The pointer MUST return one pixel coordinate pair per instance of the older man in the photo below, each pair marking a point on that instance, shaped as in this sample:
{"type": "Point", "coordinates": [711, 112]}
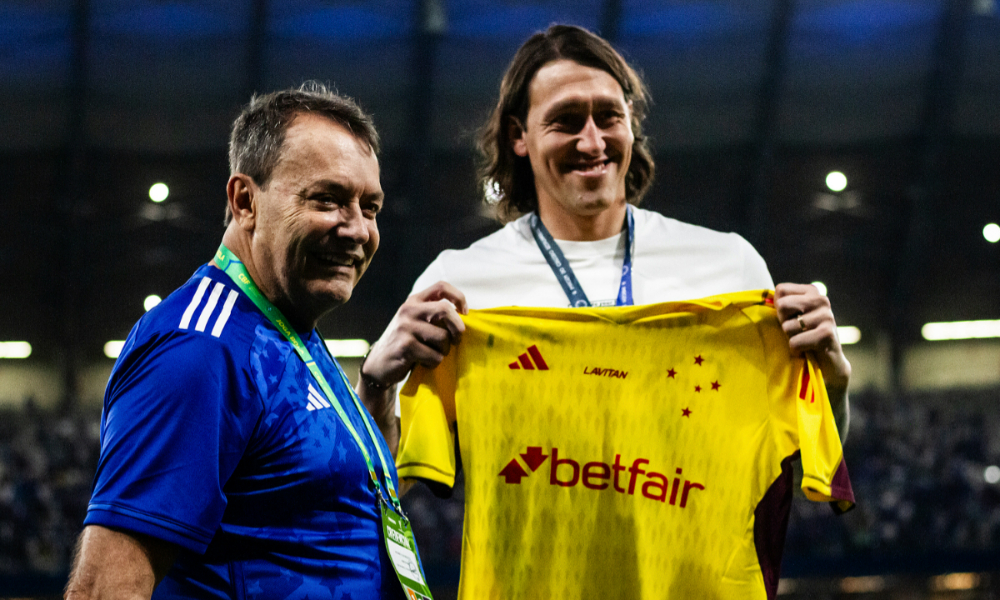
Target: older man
{"type": "Point", "coordinates": [236, 460]}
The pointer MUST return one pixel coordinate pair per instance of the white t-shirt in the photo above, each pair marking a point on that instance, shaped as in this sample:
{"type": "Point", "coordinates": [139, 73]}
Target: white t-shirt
{"type": "Point", "coordinates": [671, 261]}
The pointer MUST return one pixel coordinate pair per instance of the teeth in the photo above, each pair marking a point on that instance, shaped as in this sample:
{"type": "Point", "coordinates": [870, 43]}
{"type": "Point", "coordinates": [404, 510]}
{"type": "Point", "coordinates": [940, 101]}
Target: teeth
{"type": "Point", "coordinates": [590, 166]}
{"type": "Point", "coordinates": [336, 259]}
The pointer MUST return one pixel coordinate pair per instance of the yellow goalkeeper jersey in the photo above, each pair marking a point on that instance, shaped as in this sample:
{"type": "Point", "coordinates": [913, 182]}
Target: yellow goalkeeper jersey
{"type": "Point", "coordinates": [630, 452]}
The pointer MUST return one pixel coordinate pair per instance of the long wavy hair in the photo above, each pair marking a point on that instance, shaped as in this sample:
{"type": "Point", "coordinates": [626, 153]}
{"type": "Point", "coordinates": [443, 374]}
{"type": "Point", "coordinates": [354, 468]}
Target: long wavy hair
{"type": "Point", "coordinates": [506, 179]}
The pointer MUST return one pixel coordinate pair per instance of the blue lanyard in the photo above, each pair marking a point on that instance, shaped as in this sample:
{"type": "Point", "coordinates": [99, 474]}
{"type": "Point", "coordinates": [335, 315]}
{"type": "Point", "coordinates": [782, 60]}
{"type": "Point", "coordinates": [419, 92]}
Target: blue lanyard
{"type": "Point", "coordinates": [564, 273]}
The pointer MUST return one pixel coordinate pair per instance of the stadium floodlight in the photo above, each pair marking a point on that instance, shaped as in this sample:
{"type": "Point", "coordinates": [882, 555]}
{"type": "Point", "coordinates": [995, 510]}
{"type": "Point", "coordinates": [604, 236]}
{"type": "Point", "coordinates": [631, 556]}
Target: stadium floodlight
{"type": "Point", "coordinates": [848, 334]}
{"type": "Point", "coordinates": [836, 181]}
{"type": "Point", "coordinates": [862, 585]}
{"type": "Point", "coordinates": [15, 349]}
{"type": "Point", "coordinates": [950, 582]}
{"type": "Point", "coordinates": [348, 348]}
{"type": "Point", "coordinates": [961, 330]}
{"type": "Point", "coordinates": [992, 474]}
{"type": "Point", "coordinates": [151, 301]}
{"type": "Point", "coordinates": [158, 192]}
{"type": "Point", "coordinates": [820, 286]}
{"type": "Point", "coordinates": [113, 348]}
{"type": "Point", "coordinates": [992, 233]}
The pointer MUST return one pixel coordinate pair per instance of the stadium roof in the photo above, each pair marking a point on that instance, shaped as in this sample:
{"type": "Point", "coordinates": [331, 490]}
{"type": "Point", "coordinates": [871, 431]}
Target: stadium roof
{"type": "Point", "coordinates": [754, 102]}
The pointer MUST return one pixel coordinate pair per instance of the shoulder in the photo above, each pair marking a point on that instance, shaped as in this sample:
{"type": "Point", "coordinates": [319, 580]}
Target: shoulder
{"type": "Point", "coordinates": [205, 322]}
{"type": "Point", "coordinates": [694, 260]}
{"type": "Point", "coordinates": [208, 307]}
{"type": "Point", "coordinates": [511, 245]}
{"type": "Point", "coordinates": [656, 232]}
{"type": "Point", "coordinates": [655, 225]}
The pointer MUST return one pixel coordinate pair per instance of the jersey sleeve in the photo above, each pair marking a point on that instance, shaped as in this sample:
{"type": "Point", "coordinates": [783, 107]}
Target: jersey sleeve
{"type": "Point", "coordinates": [803, 419]}
{"type": "Point", "coordinates": [427, 424]}
{"type": "Point", "coordinates": [175, 425]}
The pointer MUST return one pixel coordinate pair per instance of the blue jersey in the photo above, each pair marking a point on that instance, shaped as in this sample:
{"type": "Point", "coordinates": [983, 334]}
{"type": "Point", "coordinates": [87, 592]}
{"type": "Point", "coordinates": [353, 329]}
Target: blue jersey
{"type": "Point", "coordinates": [215, 437]}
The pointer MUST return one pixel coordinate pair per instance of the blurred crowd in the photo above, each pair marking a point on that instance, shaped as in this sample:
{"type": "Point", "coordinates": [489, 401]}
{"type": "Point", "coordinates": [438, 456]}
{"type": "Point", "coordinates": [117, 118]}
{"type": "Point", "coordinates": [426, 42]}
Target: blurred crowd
{"type": "Point", "coordinates": [917, 463]}
{"type": "Point", "coordinates": [47, 463]}
{"type": "Point", "coordinates": [919, 466]}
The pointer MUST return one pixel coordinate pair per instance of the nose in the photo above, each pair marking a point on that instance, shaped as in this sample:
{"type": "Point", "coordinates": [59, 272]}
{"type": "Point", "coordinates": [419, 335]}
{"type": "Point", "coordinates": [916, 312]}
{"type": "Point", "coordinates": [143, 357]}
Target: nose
{"type": "Point", "coordinates": [591, 140]}
{"type": "Point", "coordinates": [351, 224]}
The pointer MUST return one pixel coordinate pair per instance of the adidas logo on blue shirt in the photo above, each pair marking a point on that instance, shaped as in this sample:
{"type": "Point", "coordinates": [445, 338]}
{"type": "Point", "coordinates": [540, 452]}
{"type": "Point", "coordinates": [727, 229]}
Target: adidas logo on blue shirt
{"type": "Point", "coordinates": [316, 400]}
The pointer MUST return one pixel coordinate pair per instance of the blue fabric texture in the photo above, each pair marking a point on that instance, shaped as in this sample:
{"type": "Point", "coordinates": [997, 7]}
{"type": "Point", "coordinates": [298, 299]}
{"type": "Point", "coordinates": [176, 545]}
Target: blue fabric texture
{"type": "Point", "coordinates": [215, 437]}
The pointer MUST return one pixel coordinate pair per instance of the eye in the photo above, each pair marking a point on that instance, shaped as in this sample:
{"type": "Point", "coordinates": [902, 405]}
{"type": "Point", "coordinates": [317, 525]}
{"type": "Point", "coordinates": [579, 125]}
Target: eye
{"type": "Point", "coordinates": [569, 122]}
{"type": "Point", "coordinates": [323, 198]}
{"type": "Point", "coordinates": [609, 117]}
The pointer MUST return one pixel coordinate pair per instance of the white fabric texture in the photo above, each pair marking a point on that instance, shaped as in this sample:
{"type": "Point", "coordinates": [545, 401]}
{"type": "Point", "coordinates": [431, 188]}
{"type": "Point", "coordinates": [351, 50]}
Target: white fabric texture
{"type": "Point", "coordinates": [671, 261]}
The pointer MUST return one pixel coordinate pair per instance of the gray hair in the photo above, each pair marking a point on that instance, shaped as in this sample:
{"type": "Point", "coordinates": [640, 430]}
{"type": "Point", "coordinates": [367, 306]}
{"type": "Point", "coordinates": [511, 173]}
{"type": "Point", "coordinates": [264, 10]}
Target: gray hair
{"type": "Point", "coordinates": [258, 132]}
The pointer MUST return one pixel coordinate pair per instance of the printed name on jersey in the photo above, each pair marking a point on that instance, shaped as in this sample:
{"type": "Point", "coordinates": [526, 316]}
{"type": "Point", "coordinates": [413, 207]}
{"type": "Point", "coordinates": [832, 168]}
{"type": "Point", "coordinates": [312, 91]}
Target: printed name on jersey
{"type": "Point", "coordinates": [524, 361]}
{"type": "Point", "coordinates": [599, 476]}
{"type": "Point", "coordinates": [315, 400]}
{"type": "Point", "coordinates": [209, 308]}
{"type": "Point", "coordinates": [600, 372]}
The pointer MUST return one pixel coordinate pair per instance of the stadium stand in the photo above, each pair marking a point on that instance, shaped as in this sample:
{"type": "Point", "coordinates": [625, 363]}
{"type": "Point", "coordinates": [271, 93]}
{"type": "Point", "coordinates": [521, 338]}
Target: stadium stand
{"type": "Point", "coordinates": [917, 464]}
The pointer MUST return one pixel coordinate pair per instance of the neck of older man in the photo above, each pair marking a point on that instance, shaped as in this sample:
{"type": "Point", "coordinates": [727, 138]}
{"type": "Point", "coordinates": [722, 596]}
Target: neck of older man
{"type": "Point", "coordinates": [583, 226]}
{"type": "Point", "coordinates": [240, 245]}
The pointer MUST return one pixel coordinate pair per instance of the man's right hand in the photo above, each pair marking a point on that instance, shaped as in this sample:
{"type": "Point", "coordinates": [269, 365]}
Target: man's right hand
{"type": "Point", "coordinates": [422, 332]}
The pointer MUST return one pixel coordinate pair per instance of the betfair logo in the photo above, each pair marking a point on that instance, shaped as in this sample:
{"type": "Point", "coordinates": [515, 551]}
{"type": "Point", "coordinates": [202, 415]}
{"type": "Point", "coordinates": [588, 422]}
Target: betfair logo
{"type": "Point", "coordinates": [599, 476]}
{"type": "Point", "coordinates": [530, 360]}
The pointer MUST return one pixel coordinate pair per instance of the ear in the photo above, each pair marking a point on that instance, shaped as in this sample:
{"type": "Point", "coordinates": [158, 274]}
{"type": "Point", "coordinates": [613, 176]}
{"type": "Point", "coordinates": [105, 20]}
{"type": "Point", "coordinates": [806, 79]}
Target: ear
{"type": "Point", "coordinates": [515, 133]}
{"type": "Point", "coordinates": [242, 193]}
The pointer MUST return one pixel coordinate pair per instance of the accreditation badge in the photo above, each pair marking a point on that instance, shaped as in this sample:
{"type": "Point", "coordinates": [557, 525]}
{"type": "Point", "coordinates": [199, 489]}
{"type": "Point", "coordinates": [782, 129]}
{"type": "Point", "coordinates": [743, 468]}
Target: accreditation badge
{"type": "Point", "coordinates": [402, 550]}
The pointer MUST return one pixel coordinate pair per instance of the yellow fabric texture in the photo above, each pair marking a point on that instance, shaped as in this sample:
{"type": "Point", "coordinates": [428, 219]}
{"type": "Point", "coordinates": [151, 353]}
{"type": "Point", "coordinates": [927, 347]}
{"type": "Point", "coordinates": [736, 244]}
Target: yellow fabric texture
{"type": "Point", "coordinates": [629, 460]}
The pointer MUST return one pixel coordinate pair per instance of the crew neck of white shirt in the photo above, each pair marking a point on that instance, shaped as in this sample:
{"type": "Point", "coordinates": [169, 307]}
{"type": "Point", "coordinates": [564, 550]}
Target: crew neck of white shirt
{"type": "Point", "coordinates": [591, 248]}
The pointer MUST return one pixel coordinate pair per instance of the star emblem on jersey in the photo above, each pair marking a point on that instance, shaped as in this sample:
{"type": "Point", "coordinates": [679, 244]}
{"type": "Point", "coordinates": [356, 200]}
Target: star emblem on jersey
{"type": "Point", "coordinates": [701, 381]}
{"type": "Point", "coordinates": [530, 361]}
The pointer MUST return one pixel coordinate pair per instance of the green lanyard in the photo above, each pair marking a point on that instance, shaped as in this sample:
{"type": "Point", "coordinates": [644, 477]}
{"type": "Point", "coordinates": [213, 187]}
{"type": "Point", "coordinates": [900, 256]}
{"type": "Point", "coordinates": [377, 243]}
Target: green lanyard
{"type": "Point", "coordinates": [232, 266]}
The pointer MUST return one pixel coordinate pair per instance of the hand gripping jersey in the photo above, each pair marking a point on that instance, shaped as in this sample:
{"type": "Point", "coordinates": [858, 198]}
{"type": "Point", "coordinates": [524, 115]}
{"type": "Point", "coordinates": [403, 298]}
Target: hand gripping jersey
{"type": "Point", "coordinates": [633, 452]}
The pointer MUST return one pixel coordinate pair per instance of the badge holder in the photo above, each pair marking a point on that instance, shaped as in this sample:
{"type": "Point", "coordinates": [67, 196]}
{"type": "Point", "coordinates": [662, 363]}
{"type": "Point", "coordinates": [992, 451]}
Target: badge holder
{"type": "Point", "coordinates": [399, 542]}
{"type": "Point", "coordinates": [402, 550]}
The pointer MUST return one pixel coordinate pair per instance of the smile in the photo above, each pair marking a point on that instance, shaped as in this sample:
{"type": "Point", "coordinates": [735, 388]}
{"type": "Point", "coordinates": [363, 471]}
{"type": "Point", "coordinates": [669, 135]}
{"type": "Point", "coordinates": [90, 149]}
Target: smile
{"type": "Point", "coordinates": [591, 168]}
{"type": "Point", "coordinates": [338, 260]}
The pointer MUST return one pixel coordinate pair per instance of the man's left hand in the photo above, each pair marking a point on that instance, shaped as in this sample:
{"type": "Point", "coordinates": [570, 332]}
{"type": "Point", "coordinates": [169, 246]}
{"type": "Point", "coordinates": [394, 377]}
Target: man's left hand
{"type": "Point", "coordinates": [808, 321]}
